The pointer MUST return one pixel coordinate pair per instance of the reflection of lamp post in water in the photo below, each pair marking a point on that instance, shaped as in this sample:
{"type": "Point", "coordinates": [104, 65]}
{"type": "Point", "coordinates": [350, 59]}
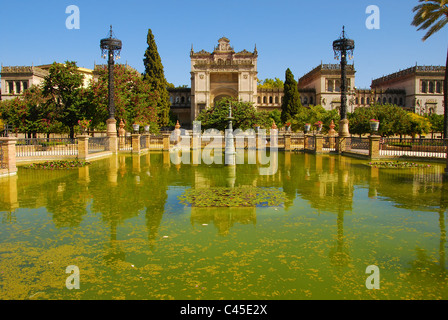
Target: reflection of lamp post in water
{"type": "Point", "coordinates": [230, 153]}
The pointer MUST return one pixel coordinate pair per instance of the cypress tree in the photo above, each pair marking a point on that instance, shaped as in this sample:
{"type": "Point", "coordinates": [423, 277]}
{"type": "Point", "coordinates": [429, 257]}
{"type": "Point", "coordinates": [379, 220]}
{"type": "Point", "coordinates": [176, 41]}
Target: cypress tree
{"type": "Point", "coordinates": [291, 100]}
{"type": "Point", "coordinates": [155, 76]}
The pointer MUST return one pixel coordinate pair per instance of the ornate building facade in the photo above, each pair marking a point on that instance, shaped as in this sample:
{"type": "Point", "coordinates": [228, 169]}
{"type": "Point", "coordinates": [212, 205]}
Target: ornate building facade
{"type": "Point", "coordinates": [222, 73]}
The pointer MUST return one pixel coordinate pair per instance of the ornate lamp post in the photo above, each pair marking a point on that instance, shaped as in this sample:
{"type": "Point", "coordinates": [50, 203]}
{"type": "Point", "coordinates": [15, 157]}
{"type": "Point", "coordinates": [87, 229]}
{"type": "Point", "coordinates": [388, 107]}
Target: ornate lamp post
{"type": "Point", "coordinates": [111, 48]}
{"type": "Point", "coordinates": [343, 47]}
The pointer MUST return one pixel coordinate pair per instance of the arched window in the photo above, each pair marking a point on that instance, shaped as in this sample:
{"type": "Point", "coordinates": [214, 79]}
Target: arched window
{"type": "Point", "coordinates": [384, 100]}
{"type": "Point", "coordinates": [276, 100]}
{"type": "Point", "coordinates": [330, 85]}
{"type": "Point", "coordinates": [395, 100]}
{"type": "Point", "coordinates": [305, 101]}
{"type": "Point", "coordinates": [177, 99]}
{"type": "Point", "coordinates": [265, 100]}
{"type": "Point", "coordinates": [401, 101]}
{"type": "Point", "coordinates": [424, 87]}
{"type": "Point", "coordinates": [362, 100]}
{"type": "Point", "coordinates": [368, 101]}
{"type": "Point", "coordinates": [338, 86]}
{"type": "Point", "coordinates": [390, 100]}
{"type": "Point", "coordinates": [357, 100]}
{"type": "Point", "coordinates": [270, 99]}
{"type": "Point", "coordinates": [182, 100]}
{"type": "Point", "coordinates": [311, 100]}
{"type": "Point", "coordinates": [431, 87]}
{"type": "Point", "coordinates": [171, 100]}
{"type": "Point", "coordinates": [259, 99]}
{"type": "Point", "coordinates": [439, 87]}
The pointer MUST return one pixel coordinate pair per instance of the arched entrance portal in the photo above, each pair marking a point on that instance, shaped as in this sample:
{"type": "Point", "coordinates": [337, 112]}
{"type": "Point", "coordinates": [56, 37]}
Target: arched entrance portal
{"type": "Point", "coordinates": [220, 97]}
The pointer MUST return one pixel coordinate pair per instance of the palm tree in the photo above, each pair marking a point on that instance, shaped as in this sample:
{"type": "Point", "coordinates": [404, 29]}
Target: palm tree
{"type": "Point", "coordinates": [433, 14]}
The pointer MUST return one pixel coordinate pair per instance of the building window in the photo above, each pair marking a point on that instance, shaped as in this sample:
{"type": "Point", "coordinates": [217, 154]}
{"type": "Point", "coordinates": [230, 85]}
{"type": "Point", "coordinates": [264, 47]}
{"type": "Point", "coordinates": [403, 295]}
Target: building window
{"type": "Point", "coordinates": [395, 101]}
{"type": "Point", "coordinates": [338, 86]}
{"type": "Point", "coordinates": [368, 101]}
{"type": "Point", "coordinates": [305, 101]}
{"type": "Point", "coordinates": [18, 87]}
{"type": "Point", "coordinates": [384, 100]}
{"type": "Point", "coordinates": [182, 100]}
{"type": "Point", "coordinates": [330, 85]}
{"type": "Point", "coordinates": [401, 101]}
{"type": "Point", "coordinates": [25, 85]}
{"type": "Point", "coordinates": [311, 100]}
{"type": "Point", "coordinates": [276, 100]}
{"type": "Point", "coordinates": [431, 87]}
{"type": "Point", "coordinates": [424, 87]}
{"type": "Point", "coordinates": [270, 99]}
{"type": "Point", "coordinates": [439, 87]}
{"type": "Point", "coordinates": [357, 100]}
{"type": "Point", "coordinates": [10, 87]}
{"type": "Point", "coordinates": [259, 100]}
{"type": "Point", "coordinates": [265, 100]}
{"type": "Point", "coordinates": [390, 100]}
{"type": "Point", "coordinates": [362, 100]}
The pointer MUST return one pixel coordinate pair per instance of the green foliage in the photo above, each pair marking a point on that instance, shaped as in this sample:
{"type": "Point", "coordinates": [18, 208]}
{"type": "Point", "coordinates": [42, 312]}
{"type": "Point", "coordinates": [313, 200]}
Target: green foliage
{"type": "Point", "coordinates": [270, 83]}
{"type": "Point", "coordinates": [436, 121]}
{"type": "Point", "coordinates": [155, 76]}
{"type": "Point", "coordinates": [135, 100]}
{"type": "Point", "coordinates": [63, 89]}
{"type": "Point", "coordinates": [244, 113]}
{"type": "Point", "coordinates": [418, 124]}
{"type": "Point", "coordinates": [313, 114]}
{"type": "Point", "coordinates": [291, 100]}
{"type": "Point", "coordinates": [393, 120]}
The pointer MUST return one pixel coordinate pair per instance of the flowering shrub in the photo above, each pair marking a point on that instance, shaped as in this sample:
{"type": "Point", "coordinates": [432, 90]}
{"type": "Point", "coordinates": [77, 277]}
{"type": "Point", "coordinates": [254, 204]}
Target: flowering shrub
{"type": "Point", "coordinates": [84, 123]}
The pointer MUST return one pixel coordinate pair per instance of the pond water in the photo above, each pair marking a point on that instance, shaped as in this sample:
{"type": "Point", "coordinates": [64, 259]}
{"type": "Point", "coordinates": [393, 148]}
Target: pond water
{"type": "Point", "coordinates": [122, 222]}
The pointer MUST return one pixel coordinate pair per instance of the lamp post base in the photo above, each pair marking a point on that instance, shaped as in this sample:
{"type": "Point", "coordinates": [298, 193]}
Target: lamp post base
{"type": "Point", "coordinates": [343, 129]}
{"type": "Point", "coordinates": [111, 127]}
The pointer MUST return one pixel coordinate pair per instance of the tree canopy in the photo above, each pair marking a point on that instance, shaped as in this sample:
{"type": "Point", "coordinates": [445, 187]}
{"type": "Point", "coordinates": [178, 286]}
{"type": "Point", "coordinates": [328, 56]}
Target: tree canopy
{"type": "Point", "coordinates": [155, 76]}
{"type": "Point", "coordinates": [291, 100]}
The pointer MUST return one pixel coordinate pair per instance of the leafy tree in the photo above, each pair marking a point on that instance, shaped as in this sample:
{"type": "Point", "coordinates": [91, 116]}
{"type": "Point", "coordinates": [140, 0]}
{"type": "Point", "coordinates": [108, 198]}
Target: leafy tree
{"type": "Point", "coordinates": [155, 76]}
{"type": "Point", "coordinates": [433, 14]}
{"type": "Point", "coordinates": [313, 114]}
{"type": "Point", "coordinates": [29, 113]}
{"type": "Point", "coordinates": [436, 121]}
{"type": "Point", "coordinates": [291, 100]}
{"type": "Point", "coordinates": [244, 113]}
{"type": "Point", "coordinates": [270, 83]}
{"type": "Point", "coordinates": [418, 124]}
{"type": "Point", "coordinates": [62, 86]}
{"type": "Point", "coordinates": [135, 101]}
{"type": "Point", "coordinates": [393, 120]}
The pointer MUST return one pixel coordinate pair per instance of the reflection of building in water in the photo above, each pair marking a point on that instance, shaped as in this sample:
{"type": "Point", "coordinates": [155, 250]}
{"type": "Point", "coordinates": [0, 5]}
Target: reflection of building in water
{"type": "Point", "coordinates": [8, 197]}
{"type": "Point", "coordinates": [223, 218]}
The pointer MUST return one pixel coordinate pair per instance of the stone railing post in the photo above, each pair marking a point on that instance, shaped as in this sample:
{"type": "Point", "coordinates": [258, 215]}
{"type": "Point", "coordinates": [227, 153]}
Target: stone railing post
{"type": "Point", "coordinates": [341, 144]}
{"type": "Point", "coordinates": [374, 147]}
{"type": "Point", "coordinates": [287, 141]}
{"type": "Point", "coordinates": [166, 142]}
{"type": "Point", "coordinates": [83, 147]}
{"type": "Point", "coordinates": [305, 142]}
{"type": "Point", "coordinates": [8, 145]}
{"type": "Point", "coordinates": [147, 138]}
{"type": "Point", "coordinates": [136, 143]}
{"type": "Point", "coordinates": [318, 143]}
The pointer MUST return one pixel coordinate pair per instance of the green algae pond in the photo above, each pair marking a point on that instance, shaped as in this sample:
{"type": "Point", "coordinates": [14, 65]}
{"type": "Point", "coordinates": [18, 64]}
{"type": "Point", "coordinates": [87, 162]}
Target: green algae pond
{"type": "Point", "coordinates": [141, 227]}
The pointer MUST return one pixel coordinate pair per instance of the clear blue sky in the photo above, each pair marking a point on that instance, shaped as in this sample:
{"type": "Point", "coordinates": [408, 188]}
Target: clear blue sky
{"type": "Point", "coordinates": [293, 34]}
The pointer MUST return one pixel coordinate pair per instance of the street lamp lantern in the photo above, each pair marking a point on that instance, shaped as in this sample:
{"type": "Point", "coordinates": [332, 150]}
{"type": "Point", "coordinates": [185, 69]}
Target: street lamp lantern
{"type": "Point", "coordinates": [111, 48]}
{"type": "Point", "coordinates": [343, 48]}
